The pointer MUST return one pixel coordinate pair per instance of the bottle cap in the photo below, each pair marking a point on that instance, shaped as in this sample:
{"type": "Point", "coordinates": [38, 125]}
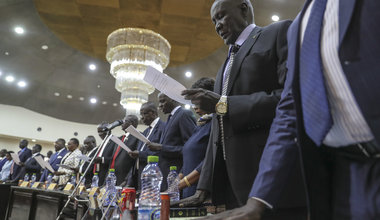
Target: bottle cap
{"type": "Point", "coordinates": [95, 174]}
{"type": "Point", "coordinates": [112, 170]}
{"type": "Point", "coordinates": [152, 159]}
{"type": "Point", "coordinates": [50, 174]}
{"type": "Point", "coordinates": [173, 168]}
{"type": "Point", "coordinates": [73, 174]}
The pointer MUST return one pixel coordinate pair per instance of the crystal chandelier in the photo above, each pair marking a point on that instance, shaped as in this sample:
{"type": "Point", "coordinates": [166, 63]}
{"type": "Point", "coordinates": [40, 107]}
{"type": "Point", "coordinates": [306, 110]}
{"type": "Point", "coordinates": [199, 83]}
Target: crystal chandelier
{"type": "Point", "coordinates": [130, 51]}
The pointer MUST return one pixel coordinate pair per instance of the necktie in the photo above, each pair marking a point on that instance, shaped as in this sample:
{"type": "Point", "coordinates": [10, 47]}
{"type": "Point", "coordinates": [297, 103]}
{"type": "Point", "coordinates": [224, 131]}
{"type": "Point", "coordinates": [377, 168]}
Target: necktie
{"type": "Point", "coordinates": [231, 57]}
{"type": "Point", "coordinates": [116, 153]}
{"type": "Point", "coordinates": [167, 121]}
{"type": "Point", "coordinates": [147, 136]}
{"type": "Point", "coordinates": [315, 105]}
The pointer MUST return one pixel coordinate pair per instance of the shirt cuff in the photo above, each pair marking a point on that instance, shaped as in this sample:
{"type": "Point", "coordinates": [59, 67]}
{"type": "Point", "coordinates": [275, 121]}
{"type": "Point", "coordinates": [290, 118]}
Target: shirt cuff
{"type": "Point", "coordinates": [102, 159]}
{"type": "Point", "coordinates": [262, 201]}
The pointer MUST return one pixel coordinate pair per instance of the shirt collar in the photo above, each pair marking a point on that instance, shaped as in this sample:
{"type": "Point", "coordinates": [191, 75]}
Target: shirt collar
{"type": "Point", "coordinates": [61, 150]}
{"type": "Point", "coordinates": [174, 110]}
{"type": "Point", "coordinates": [35, 154]}
{"type": "Point", "coordinates": [244, 35]}
{"type": "Point", "coordinates": [154, 122]}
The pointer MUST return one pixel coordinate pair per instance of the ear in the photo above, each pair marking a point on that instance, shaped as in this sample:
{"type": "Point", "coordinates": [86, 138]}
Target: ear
{"type": "Point", "coordinates": [244, 9]}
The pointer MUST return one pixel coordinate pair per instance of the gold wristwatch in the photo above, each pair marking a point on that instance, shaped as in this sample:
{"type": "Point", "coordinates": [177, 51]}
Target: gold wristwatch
{"type": "Point", "coordinates": [221, 107]}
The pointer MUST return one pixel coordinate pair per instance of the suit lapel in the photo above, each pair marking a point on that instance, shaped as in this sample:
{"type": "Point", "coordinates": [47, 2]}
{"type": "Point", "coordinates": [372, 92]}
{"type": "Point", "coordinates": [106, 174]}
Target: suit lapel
{"type": "Point", "coordinates": [168, 124]}
{"type": "Point", "coordinates": [346, 8]}
{"type": "Point", "coordinates": [241, 54]}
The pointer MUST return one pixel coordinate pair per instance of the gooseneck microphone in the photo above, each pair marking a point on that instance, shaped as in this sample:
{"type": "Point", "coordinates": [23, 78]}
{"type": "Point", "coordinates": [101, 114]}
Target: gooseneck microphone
{"type": "Point", "coordinates": [113, 125]}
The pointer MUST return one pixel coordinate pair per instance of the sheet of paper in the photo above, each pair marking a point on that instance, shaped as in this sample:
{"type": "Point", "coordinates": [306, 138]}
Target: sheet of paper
{"type": "Point", "coordinates": [40, 161]}
{"type": "Point", "coordinates": [120, 143]}
{"type": "Point", "coordinates": [15, 158]}
{"type": "Point", "coordinates": [83, 157]}
{"type": "Point", "coordinates": [44, 164]}
{"type": "Point", "coordinates": [132, 130]}
{"type": "Point", "coordinates": [165, 84]}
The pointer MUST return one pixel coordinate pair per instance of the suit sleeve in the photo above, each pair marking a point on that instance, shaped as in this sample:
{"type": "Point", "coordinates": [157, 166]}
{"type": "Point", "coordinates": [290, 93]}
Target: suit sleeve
{"type": "Point", "coordinates": [186, 126]}
{"type": "Point", "coordinates": [258, 108]}
{"type": "Point", "coordinates": [280, 157]}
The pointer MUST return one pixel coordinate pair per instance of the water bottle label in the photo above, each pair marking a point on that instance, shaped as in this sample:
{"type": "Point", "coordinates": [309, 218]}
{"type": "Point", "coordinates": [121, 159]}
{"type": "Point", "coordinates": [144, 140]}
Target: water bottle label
{"type": "Point", "coordinates": [146, 213]}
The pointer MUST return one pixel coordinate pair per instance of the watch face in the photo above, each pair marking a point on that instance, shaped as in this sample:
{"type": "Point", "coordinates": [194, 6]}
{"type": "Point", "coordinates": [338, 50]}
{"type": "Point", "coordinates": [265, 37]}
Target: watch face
{"type": "Point", "coordinates": [221, 108]}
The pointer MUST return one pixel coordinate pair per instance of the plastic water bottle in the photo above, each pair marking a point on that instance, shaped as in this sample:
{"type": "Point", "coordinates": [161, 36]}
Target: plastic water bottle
{"type": "Point", "coordinates": [26, 177]}
{"type": "Point", "coordinates": [173, 182]}
{"type": "Point", "coordinates": [150, 202]}
{"type": "Point", "coordinates": [73, 179]}
{"type": "Point", "coordinates": [48, 180]}
{"type": "Point", "coordinates": [95, 180]}
{"type": "Point", "coordinates": [33, 179]}
{"type": "Point", "coordinates": [110, 189]}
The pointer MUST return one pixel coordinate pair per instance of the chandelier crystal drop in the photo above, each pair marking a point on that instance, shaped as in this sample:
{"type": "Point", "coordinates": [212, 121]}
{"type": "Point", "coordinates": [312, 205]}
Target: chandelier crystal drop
{"type": "Point", "coordinates": [130, 51]}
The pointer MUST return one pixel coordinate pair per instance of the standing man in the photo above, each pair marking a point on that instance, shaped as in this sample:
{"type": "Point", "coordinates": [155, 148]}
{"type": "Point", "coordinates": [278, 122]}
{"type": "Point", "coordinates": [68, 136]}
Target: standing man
{"type": "Point", "coordinates": [247, 89]}
{"type": "Point", "coordinates": [121, 161]}
{"type": "Point", "coordinates": [89, 144]}
{"type": "Point", "coordinates": [31, 165]}
{"type": "Point", "coordinates": [23, 154]}
{"type": "Point", "coordinates": [149, 116]}
{"type": "Point", "coordinates": [104, 157]}
{"type": "Point", "coordinates": [60, 152]}
{"type": "Point", "coordinates": [178, 129]}
{"type": "Point", "coordinates": [334, 55]}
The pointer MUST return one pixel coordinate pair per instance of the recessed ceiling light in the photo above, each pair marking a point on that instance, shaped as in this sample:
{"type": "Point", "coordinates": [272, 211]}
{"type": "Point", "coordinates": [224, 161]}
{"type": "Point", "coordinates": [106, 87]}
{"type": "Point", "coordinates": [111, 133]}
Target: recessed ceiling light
{"type": "Point", "coordinates": [81, 98]}
{"type": "Point", "coordinates": [19, 30]}
{"type": "Point", "coordinates": [44, 47]}
{"type": "Point", "coordinates": [188, 74]}
{"type": "Point", "coordinates": [21, 84]}
{"type": "Point", "coordinates": [69, 96]}
{"type": "Point", "coordinates": [114, 104]}
{"type": "Point", "coordinates": [10, 79]}
{"type": "Point", "coordinates": [275, 18]}
{"type": "Point", "coordinates": [6, 53]}
{"type": "Point", "coordinates": [93, 100]}
{"type": "Point", "coordinates": [92, 67]}
{"type": "Point", "coordinates": [187, 106]}
{"type": "Point", "coordinates": [57, 94]}
{"type": "Point", "coordinates": [104, 103]}
{"type": "Point", "coordinates": [33, 140]}
{"type": "Point", "coordinates": [98, 86]}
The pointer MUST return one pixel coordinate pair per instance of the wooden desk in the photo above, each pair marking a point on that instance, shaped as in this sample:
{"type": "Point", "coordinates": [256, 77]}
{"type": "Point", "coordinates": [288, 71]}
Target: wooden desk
{"type": "Point", "coordinates": [30, 204]}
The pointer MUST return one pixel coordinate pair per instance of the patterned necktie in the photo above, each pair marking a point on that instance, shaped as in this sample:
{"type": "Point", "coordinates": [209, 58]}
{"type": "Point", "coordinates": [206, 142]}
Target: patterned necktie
{"type": "Point", "coordinates": [315, 105]}
{"type": "Point", "coordinates": [231, 57]}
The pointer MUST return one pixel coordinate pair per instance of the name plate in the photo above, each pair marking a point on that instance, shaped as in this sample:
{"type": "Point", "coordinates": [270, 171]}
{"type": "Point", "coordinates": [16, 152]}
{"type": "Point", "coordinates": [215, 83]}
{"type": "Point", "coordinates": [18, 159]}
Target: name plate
{"type": "Point", "coordinates": [52, 186]}
{"type": "Point", "coordinates": [69, 187]}
{"type": "Point", "coordinates": [93, 202]}
{"type": "Point", "coordinates": [81, 189]}
{"type": "Point", "coordinates": [37, 185]}
{"type": "Point", "coordinates": [25, 184]}
{"type": "Point", "coordinates": [94, 191]}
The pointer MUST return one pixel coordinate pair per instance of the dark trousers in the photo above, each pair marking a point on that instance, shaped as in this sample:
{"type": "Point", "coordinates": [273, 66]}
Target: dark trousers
{"type": "Point", "coordinates": [344, 187]}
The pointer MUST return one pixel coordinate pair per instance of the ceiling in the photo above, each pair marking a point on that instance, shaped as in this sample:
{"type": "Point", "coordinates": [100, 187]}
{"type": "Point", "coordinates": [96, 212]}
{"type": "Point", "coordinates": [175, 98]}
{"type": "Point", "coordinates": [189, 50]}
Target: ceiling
{"type": "Point", "coordinates": [75, 32]}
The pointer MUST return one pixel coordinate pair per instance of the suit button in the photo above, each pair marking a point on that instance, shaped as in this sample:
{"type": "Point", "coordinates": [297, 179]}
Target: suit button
{"type": "Point", "coordinates": [346, 62]}
{"type": "Point", "coordinates": [295, 139]}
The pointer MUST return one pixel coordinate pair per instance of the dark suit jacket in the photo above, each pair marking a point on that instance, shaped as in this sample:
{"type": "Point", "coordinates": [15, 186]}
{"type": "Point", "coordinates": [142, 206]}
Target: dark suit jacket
{"type": "Point", "coordinates": [16, 168]}
{"type": "Point", "coordinates": [255, 85]}
{"type": "Point", "coordinates": [134, 179]}
{"type": "Point", "coordinates": [107, 158]}
{"type": "Point", "coordinates": [177, 131]}
{"type": "Point", "coordinates": [32, 166]}
{"type": "Point", "coordinates": [360, 59]}
{"type": "Point", "coordinates": [54, 160]}
{"type": "Point", "coordinates": [123, 162]}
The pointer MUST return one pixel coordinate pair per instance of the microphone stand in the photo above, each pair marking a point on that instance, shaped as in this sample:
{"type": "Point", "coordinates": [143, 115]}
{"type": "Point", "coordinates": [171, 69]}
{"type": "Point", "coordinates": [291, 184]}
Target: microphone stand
{"type": "Point", "coordinates": [71, 196]}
